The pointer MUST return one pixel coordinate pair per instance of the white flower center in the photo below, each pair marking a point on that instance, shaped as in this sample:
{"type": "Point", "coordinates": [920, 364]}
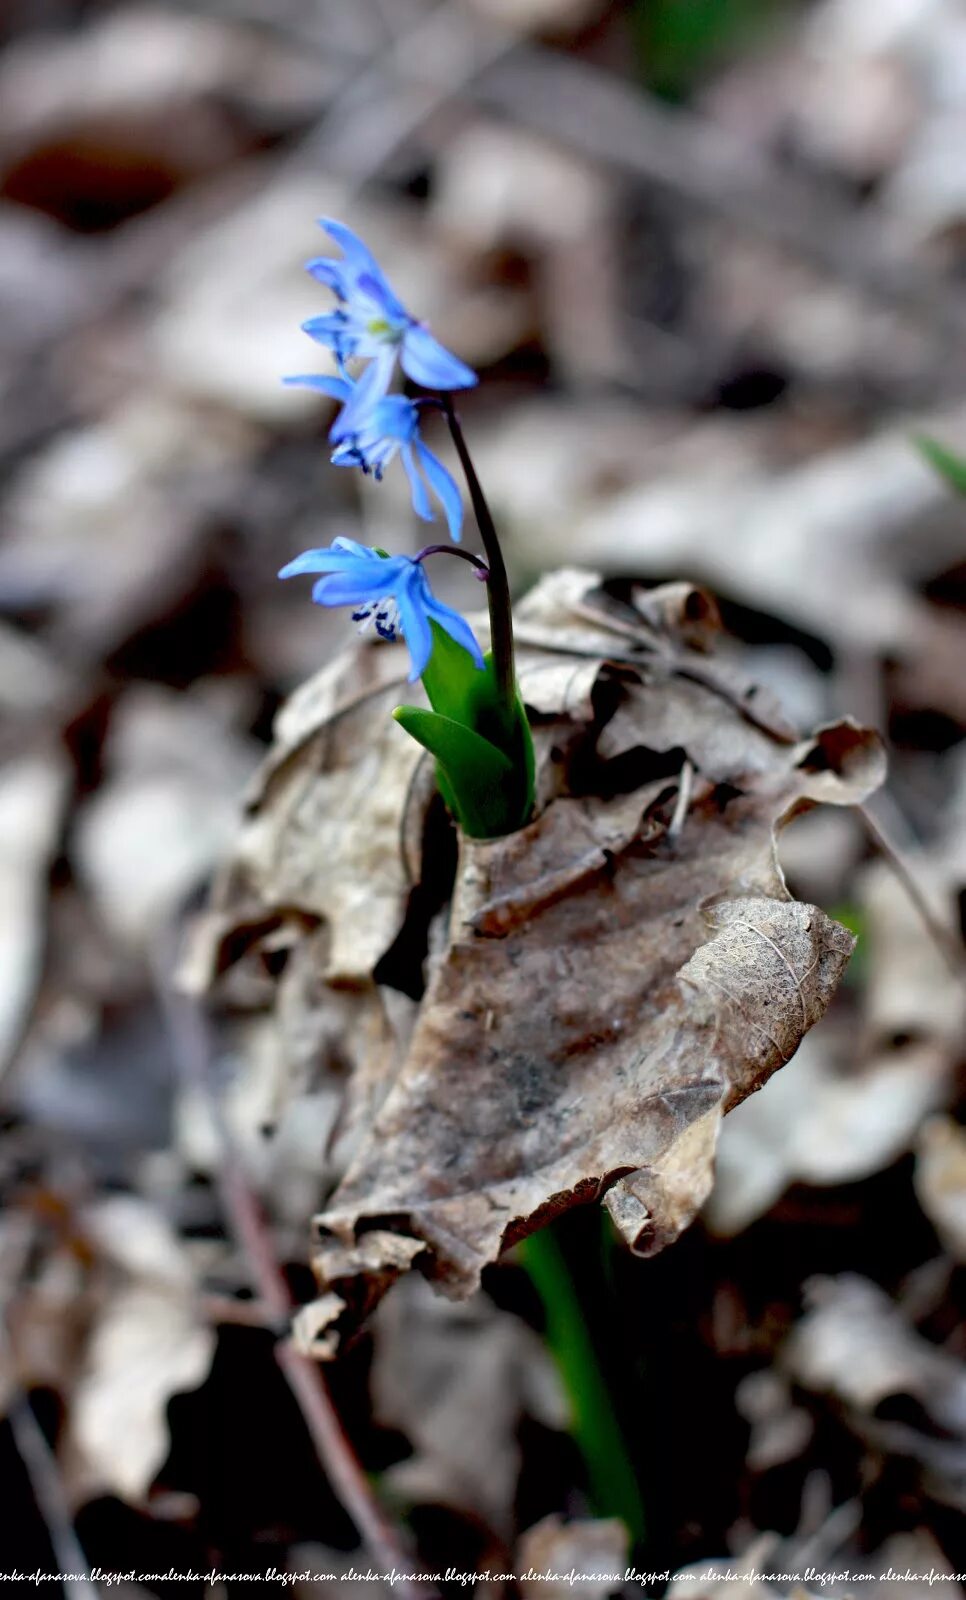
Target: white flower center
{"type": "Point", "coordinates": [383, 614]}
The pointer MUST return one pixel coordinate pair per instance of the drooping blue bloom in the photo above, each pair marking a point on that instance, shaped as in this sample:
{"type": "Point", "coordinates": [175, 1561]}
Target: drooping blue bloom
{"type": "Point", "coordinates": [372, 323]}
{"type": "Point", "coordinates": [372, 428]}
{"type": "Point", "coordinates": [390, 592]}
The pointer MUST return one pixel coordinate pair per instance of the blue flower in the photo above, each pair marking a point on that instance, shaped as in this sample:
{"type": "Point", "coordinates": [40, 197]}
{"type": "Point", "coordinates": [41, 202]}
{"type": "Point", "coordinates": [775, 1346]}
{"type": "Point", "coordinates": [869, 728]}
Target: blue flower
{"type": "Point", "coordinates": [372, 323]}
{"type": "Point", "coordinates": [372, 428]}
{"type": "Point", "coordinates": [391, 592]}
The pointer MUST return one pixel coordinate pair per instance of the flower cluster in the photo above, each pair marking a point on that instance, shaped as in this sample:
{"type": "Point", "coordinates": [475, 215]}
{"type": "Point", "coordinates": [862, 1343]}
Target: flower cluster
{"type": "Point", "coordinates": [476, 725]}
{"type": "Point", "coordinates": [371, 325]}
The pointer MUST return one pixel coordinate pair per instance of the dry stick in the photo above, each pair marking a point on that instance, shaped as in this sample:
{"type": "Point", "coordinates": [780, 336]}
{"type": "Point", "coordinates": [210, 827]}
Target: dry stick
{"type": "Point", "coordinates": [248, 1224]}
{"type": "Point", "coordinates": [944, 941]}
{"type": "Point", "coordinates": [48, 1488]}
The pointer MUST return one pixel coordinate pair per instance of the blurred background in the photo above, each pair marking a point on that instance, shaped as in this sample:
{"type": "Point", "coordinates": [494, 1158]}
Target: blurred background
{"type": "Point", "coordinates": [709, 257]}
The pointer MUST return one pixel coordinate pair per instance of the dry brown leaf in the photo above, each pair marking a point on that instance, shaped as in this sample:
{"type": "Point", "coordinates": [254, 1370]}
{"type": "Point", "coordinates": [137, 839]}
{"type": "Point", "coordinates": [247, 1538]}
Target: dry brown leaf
{"type": "Point", "coordinates": [855, 1345]}
{"type": "Point", "coordinates": [456, 1380]}
{"type": "Point", "coordinates": [940, 1181]}
{"type": "Point", "coordinates": [174, 771]}
{"type": "Point", "coordinates": [911, 992]}
{"type": "Point", "coordinates": [591, 1554]}
{"type": "Point", "coordinates": [642, 909]}
{"type": "Point", "coordinates": [839, 544]}
{"type": "Point", "coordinates": [825, 1120]}
{"type": "Point", "coordinates": [780, 1431]}
{"type": "Point", "coordinates": [147, 1343]}
{"type": "Point", "coordinates": [33, 793]}
{"type": "Point", "coordinates": [104, 1313]}
{"type": "Point", "coordinates": [326, 810]}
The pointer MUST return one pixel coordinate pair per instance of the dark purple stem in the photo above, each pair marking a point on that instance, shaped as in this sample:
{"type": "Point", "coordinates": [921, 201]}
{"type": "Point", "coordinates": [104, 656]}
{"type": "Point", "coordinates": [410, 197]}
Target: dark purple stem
{"type": "Point", "coordinates": [498, 587]}
{"type": "Point", "coordinates": [482, 570]}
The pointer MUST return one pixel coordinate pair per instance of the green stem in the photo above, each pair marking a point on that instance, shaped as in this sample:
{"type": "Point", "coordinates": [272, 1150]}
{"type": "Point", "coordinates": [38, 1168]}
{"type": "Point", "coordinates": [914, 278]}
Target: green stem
{"type": "Point", "coordinates": [498, 586]}
{"type": "Point", "coordinates": [594, 1424]}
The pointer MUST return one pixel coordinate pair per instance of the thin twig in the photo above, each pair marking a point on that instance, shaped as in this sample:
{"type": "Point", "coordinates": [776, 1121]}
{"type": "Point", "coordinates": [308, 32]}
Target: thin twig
{"type": "Point", "coordinates": [247, 1221]}
{"type": "Point", "coordinates": [947, 945]}
{"type": "Point", "coordinates": [41, 1467]}
{"type": "Point", "coordinates": [683, 801]}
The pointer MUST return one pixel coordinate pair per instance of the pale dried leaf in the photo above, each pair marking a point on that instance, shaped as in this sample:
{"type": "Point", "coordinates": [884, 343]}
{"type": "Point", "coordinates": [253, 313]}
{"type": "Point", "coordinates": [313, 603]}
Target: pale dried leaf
{"type": "Point", "coordinates": [327, 813]}
{"type": "Point", "coordinates": [940, 1181]}
{"type": "Point", "coordinates": [457, 1380]}
{"type": "Point", "coordinates": [148, 1346]}
{"type": "Point", "coordinates": [780, 1431]}
{"type": "Point", "coordinates": [854, 1343]}
{"type": "Point", "coordinates": [33, 792]}
{"type": "Point", "coordinates": [589, 1554]}
{"type": "Point", "coordinates": [825, 1120]}
{"type": "Point", "coordinates": [911, 992]}
{"type": "Point", "coordinates": [148, 1342]}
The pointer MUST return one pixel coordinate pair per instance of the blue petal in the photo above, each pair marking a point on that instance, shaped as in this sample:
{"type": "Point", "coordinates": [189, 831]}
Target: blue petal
{"type": "Point", "coordinates": [428, 363]}
{"type": "Point", "coordinates": [335, 275]}
{"type": "Point", "coordinates": [444, 486]}
{"type": "Point", "coordinates": [456, 626]}
{"type": "Point", "coordinates": [376, 287]}
{"type": "Point", "coordinates": [338, 388]}
{"type": "Point", "coordinates": [359, 257]}
{"type": "Point", "coordinates": [338, 558]}
{"type": "Point", "coordinates": [421, 503]}
{"type": "Point", "coordinates": [363, 396]}
{"type": "Point", "coordinates": [366, 270]}
{"type": "Point", "coordinates": [363, 550]}
{"type": "Point", "coordinates": [327, 329]}
{"type": "Point", "coordinates": [412, 598]}
{"type": "Point", "coordinates": [395, 417]}
{"type": "Point", "coordinates": [351, 588]}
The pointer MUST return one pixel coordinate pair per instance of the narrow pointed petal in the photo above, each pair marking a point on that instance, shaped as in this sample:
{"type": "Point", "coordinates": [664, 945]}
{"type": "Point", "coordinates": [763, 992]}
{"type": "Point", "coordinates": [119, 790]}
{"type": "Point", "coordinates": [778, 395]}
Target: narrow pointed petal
{"type": "Point", "coordinates": [421, 502]}
{"type": "Point", "coordinates": [363, 267]}
{"type": "Point", "coordinates": [444, 486]}
{"type": "Point", "coordinates": [338, 388]}
{"type": "Point", "coordinates": [428, 363]}
{"type": "Point", "coordinates": [327, 329]}
{"type": "Point", "coordinates": [456, 626]}
{"type": "Point", "coordinates": [412, 598]}
{"type": "Point", "coordinates": [335, 275]}
{"type": "Point", "coordinates": [358, 255]}
{"type": "Point", "coordinates": [354, 587]}
{"type": "Point", "coordinates": [325, 560]}
{"type": "Point", "coordinates": [363, 396]}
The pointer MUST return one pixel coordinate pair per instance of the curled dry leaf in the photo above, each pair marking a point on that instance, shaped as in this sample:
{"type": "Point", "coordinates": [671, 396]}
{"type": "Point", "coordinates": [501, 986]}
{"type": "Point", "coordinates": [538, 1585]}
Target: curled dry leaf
{"type": "Point", "coordinates": [606, 983]}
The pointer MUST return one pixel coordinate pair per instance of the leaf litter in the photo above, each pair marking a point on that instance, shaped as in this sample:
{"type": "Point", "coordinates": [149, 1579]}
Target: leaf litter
{"type": "Point", "coordinates": [643, 904]}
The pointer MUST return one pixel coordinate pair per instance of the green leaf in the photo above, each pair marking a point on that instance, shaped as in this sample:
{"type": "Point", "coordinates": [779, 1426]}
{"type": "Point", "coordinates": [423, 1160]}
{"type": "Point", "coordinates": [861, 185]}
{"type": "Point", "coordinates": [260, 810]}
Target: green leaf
{"type": "Point", "coordinates": [450, 678]}
{"type": "Point", "coordinates": [476, 779]}
{"type": "Point", "coordinates": [462, 692]}
{"type": "Point", "coordinates": [678, 40]}
{"type": "Point", "coordinates": [946, 462]}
